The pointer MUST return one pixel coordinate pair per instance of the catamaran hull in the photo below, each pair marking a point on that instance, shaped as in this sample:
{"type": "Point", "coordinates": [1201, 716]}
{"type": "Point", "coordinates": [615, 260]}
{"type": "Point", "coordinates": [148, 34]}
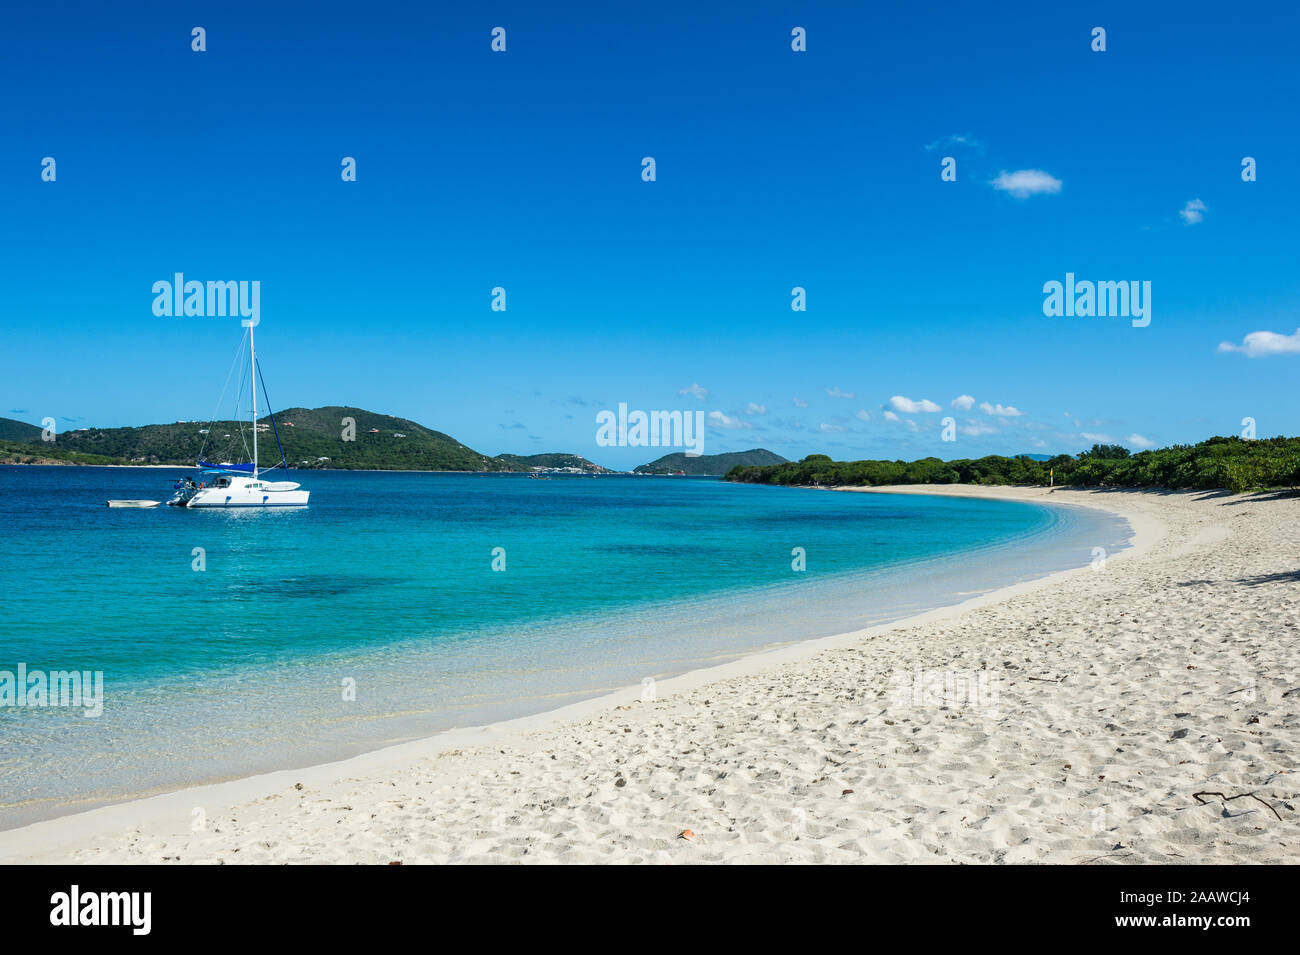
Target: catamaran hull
{"type": "Point", "coordinates": [220, 497]}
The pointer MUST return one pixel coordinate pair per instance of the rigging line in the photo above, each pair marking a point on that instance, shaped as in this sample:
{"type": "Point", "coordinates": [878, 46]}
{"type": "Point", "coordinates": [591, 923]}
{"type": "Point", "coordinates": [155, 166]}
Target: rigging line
{"type": "Point", "coordinates": [245, 373]}
{"type": "Point", "coordinates": [271, 414]}
{"type": "Point", "coordinates": [238, 352]}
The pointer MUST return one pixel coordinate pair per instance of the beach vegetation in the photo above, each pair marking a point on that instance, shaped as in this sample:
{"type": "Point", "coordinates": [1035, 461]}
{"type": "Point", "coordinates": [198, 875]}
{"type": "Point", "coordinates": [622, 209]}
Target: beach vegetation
{"type": "Point", "coordinates": [1232, 463]}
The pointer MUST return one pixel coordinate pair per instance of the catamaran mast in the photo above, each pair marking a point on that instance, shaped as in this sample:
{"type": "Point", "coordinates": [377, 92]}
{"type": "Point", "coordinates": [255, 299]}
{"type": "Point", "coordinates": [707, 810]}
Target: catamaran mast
{"type": "Point", "coordinates": [252, 364]}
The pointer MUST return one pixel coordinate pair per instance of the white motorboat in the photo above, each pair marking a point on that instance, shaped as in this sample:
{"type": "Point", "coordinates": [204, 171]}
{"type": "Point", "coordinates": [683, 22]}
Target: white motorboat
{"type": "Point", "coordinates": [133, 503]}
{"type": "Point", "coordinates": [230, 484]}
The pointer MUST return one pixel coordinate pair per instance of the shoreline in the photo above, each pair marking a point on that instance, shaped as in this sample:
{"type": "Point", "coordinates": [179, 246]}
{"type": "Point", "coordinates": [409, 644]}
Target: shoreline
{"type": "Point", "coordinates": [194, 467]}
{"type": "Point", "coordinates": [447, 764]}
{"type": "Point", "coordinates": [93, 822]}
{"type": "Point", "coordinates": [755, 619]}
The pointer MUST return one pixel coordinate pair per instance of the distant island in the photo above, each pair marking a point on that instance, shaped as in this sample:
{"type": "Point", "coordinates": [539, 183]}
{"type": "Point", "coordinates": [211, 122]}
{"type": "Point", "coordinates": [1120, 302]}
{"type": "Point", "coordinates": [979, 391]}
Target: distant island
{"type": "Point", "coordinates": [1231, 463]}
{"type": "Point", "coordinates": [562, 463]}
{"type": "Point", "coordinates": [318, 438]}
{"type": "Point", "coordinates": [710, 465]}
{"type": "Point", "coordinates": [312, 438]}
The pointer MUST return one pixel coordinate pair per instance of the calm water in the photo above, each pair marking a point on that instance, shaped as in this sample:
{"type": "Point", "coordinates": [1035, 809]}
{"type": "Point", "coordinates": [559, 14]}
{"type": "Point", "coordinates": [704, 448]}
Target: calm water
{"type": "Point", "coordinates": [387, 580]}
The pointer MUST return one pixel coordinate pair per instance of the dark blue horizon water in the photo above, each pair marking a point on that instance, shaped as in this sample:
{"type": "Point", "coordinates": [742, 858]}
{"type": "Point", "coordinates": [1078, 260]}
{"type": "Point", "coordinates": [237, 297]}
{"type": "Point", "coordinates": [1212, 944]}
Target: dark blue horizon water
{"type": "Point", "coordinates": [386, 580]}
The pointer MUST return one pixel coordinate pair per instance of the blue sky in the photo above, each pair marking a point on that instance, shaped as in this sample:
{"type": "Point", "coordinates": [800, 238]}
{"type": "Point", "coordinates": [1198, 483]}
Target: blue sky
{"type": "Point", "coordinates": [775, 169]}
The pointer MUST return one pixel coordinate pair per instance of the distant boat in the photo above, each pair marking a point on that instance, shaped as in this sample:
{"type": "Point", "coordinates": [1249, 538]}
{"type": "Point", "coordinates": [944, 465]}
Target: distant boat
{"type": "Point", "coordinates": [231, 484]}
{"type": "Point", "coordinates": [133, 503]}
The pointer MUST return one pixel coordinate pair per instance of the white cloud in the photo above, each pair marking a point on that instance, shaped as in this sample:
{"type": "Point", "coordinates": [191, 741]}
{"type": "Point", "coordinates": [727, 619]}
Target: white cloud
{"type": "Point", "coordinates": [1193, 212]}
{"type": "Point", "coordinates": [1097, 438]}
{"type": "Point", "coordinates": [718, 419]}
{"type": "Point", "coordinates": [906, 422]}
{"type": "Point", "coordinates": [1002, 411]}
{"type": "Point", "coordinates": [908, 406]}
{"type": "Point", "coordinates": [836, 393]}
{"type": "Point", "coordinates": [973, 428]}
{"type": "Point", "coordinates": [694, 389]}
{"type": "Point", "coordinates": [864, 415]}
{"type": "Point", "coordinates": [1027, 182]}
{"type": "Point", "coordinates": [800, 403]}
{"type": "Point", "coordinates": [1262, 344]}
{"type": "Point", "coordinates": [963, 402]}
{"type": "Point", "coordinates": [753, 408]}
{"type": "Point", "coordinates": [1140, 442]}
{"type": "Point", "coordinates": [831, 428]}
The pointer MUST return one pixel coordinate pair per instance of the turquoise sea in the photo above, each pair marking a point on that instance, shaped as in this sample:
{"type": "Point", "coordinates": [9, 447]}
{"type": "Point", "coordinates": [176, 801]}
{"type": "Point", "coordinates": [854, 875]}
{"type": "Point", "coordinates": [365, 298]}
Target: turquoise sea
{"type": "Point", "coordinates": [387, 580]}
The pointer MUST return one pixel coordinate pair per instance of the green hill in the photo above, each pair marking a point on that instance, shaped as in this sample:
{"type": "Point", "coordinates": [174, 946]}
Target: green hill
{"type": "Point", "coordinates": [312, 437]}
{"type": "Point", "coordinates": [315, 438]}
{"type": "Point", "coordinates": [11, 430]}
{"type": "Point", "coordinates": [40, 452]}
{"type": "Point", "coordinates": [527, 462]}
{"type": "Point", "coordinates": [151, 444]}
{"type": "Point", "coordinates": [380, 442]}
{"type": "Point", "coordinates": [710, 464]}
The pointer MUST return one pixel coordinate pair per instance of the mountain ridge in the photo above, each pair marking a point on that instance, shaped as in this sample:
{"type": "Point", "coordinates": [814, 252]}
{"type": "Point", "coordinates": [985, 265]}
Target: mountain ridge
{"type": "Point", "coordinates": [339, 437]}
{"type": "Point", "coordinates": [709, 465]}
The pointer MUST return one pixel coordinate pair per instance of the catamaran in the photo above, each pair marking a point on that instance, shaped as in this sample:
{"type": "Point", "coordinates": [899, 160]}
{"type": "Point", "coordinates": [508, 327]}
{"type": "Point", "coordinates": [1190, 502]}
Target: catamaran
{"type": "Point", "coordinates": [240, 484]}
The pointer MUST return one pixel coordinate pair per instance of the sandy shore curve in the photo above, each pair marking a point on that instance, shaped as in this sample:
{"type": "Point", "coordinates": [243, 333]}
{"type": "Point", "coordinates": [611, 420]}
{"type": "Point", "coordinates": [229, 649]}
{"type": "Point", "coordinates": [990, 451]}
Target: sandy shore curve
{"type": "Point", "coordinates": [1069, 719]}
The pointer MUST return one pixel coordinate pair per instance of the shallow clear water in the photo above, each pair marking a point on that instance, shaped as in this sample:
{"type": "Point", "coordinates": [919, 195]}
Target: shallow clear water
{"type": "Point", "coordinates": [387, 580]}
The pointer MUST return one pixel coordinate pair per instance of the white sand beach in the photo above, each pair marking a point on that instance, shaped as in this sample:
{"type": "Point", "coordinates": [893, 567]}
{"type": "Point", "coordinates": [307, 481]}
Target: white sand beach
{"type": "Point", "coordinates": [1065, 720]}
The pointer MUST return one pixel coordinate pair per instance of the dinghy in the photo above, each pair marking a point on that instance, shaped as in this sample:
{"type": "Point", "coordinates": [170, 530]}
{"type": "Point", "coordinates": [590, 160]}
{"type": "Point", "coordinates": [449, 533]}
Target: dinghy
{"type": "Point", "coordinates": [133, 503]}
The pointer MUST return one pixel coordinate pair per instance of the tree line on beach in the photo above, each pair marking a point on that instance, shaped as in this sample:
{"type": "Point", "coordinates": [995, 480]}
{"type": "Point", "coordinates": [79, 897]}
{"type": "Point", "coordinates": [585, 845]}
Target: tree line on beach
{"type": "Point", "coordinates": [1232, 463]}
